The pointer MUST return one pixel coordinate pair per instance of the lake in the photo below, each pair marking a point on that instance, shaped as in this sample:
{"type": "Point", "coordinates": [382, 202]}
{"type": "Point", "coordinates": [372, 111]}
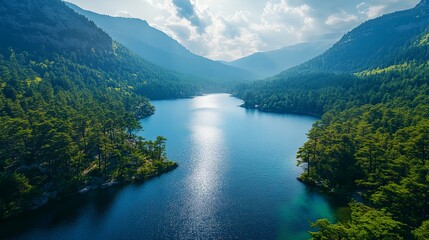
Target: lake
{"type": "Point", "coordinates": [236, 180]}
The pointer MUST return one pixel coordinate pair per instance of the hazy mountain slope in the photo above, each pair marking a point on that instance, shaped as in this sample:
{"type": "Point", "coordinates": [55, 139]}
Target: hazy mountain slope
{"type": "Point", "coordinates": [375, 43]}
{"type": "Point", "coordinates": [265, 64]}
{"type": "Point", "coordinates": [157, 47]}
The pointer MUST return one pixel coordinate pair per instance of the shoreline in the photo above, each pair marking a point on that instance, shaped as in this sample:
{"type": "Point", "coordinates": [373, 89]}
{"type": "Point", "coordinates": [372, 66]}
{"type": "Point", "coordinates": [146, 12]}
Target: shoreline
{"type": "Point", "coordinates": [280, 112]}
{"type": "Point", "coordinates": [50, 197]}
{"type": "Point", "coordinates": [243, 105]}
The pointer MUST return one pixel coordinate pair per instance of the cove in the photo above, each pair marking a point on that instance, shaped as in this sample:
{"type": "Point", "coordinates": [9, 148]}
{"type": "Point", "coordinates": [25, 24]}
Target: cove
{"type": "Point", "coordinates": [236, 180]}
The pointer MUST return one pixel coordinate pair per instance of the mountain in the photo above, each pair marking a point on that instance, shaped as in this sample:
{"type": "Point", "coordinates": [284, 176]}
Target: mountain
{"type": "Point", "coordinates": [70, 100]}
{"type": "Point", "coordinates": [376, 43]}
{"type": "Point", "coordinates": [157, 47]}
{"type": "Point", "coordinates": [58, 29]}
{"type": "Point", "coordinates": [265, 64]}
{"type": "Point", "coordinates": [20, 27]}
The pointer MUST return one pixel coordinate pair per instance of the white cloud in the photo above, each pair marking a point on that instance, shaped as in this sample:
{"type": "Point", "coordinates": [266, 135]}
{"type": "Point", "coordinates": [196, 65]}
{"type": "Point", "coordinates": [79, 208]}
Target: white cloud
{"type": "Point", "coordinates": [340, 18]}
{"type": "Point", "coordinates": [371, 11]}
{"type": "Point", "coordinates": [124, 14]}
{"type": "Point", "coordinates": [161, 4]}
{"type": "Point", "coordinates": [375, 11]}
{"type": "Point", "coordinates": [283, 24]}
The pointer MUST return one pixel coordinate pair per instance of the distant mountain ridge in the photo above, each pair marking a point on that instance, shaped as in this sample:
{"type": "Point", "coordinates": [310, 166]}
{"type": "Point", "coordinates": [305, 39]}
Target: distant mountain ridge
{"type": "Point", "coordinates": [376, 43]}
{"type": "Point", "coordinates": [265, 64]}
{"type": "Point", "coordinates": [157, 47]}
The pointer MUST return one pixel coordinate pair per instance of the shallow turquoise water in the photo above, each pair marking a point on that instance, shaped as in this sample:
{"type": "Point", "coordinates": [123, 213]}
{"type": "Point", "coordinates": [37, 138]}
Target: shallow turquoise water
{"type": "Point", "coordinates": [236, 180]}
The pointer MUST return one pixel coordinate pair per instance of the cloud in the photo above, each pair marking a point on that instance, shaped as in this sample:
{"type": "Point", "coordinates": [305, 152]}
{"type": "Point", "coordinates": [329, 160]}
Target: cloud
{"type": "Point", "coordinates": [340, 18]}
{"type": "Point", "coordinates": [124, 14]}
{"type": "Point", "coordinates": [186, 10]}
{"type": "Point", "coordinates": [182, 32]}
{"type": "Point", "coordinates": [282, 11]}
{"type": "Point", "coordinates": [282, 24]}
{"type": "Point", "coordinates": [234, 24]}
{"type": "Point", "coordinates": [157, 3]}
{"type": "Point", "coordinates": [371, 11]}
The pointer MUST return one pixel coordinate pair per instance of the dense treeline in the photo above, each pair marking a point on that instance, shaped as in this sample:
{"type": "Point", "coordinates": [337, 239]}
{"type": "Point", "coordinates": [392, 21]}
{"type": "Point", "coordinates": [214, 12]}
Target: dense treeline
{"type": "Point", "coordinates": [297, 93]}
{"type": "Point", "coordinates": [373, 139]}
{"type": "Point", "coordinates": [318, 92]}
{"type": "Point", "coordinates": [63, 127]}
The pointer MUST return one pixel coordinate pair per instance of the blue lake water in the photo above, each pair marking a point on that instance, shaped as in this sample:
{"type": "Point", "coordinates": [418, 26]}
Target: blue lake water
{"type": "Point", "coordinates": [236, 180]}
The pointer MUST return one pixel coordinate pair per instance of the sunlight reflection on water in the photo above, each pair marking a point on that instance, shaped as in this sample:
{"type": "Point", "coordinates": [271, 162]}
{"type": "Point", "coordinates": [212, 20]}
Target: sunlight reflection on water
{"type": "Point", "coordinates": [205, 183]}
{"type": "Point", "coordinates": [209, 101]}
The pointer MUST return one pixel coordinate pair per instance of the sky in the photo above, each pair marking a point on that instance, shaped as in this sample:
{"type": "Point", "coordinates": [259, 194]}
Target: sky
{"type": "Point", "coordinates": [230, 29]}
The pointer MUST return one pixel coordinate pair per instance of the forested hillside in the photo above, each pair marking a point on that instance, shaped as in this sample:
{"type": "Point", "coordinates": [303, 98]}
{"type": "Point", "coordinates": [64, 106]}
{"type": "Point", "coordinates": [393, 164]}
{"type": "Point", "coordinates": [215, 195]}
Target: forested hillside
{"type": "Point", "coordinates": [376, 43]}
{"type": "Point", "coordinates": [373, 138]}
{"type": "Point", "coordinates": [70, 99]}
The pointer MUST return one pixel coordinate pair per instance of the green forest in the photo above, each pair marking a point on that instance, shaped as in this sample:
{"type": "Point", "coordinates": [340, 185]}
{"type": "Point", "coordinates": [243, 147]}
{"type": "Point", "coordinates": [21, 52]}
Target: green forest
{"type": "Point", "coordinates": [372, 141]}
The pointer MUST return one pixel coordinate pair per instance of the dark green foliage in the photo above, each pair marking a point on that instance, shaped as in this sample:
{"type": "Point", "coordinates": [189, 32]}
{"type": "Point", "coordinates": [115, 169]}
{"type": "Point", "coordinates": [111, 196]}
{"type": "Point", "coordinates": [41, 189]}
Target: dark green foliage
{"type": "Point", "coordinates": [365, 224]}
{"type": "Point", "coordinates": [422, 233]}
{"type": "Point", "coordinates": [48, 24]}
{"type": "Point", "coordinates": [297, 93]}
{"type": "Point", "coordinates": [15, 190]}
